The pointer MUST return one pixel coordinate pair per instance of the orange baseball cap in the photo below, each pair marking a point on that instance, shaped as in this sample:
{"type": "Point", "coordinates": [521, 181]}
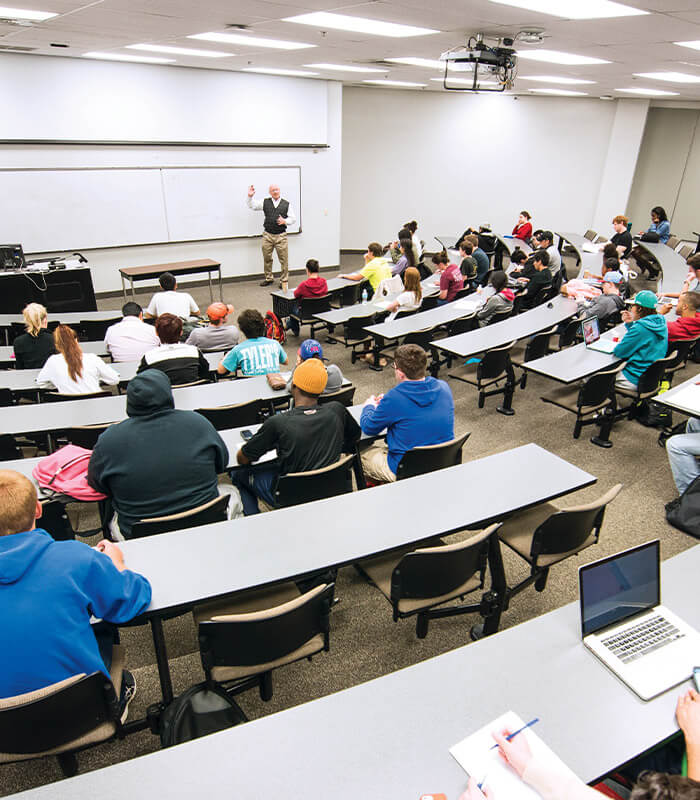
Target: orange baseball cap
{"type": "Point", "coordinates": [218, 311]}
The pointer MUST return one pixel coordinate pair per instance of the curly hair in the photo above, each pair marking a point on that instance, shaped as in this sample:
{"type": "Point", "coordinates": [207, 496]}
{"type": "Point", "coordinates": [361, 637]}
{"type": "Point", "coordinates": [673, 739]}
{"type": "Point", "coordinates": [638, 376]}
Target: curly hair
{"type": "Point", "coordinates": [660, 786]}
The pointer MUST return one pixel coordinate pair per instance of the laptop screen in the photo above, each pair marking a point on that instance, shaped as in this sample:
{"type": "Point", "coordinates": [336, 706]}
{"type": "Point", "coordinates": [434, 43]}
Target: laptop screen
{"type": "Point", "coordinates": [590, 330]}
{"type": "Point", "coordinates": [618, 587]}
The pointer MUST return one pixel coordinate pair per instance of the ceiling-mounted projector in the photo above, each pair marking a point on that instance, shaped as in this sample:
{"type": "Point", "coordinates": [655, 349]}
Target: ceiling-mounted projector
{"type": "Point", "coordinates": [477, 67]}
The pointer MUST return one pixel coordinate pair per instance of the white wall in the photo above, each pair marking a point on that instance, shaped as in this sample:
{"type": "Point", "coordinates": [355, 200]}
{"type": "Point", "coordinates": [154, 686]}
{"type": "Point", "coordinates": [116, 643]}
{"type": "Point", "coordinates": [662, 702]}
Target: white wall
{"type": "Point", "coordinates": [452, 160]}
{"type": "Point", "coordinates": [320, 169]}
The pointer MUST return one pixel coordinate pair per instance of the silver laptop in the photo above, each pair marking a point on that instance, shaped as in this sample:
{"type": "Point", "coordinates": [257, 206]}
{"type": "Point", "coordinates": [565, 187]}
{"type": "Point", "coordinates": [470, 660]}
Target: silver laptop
{"type": "Point", "coordinates": [590, 330]}
{"type": "Point", "coordinates": [647, 646]}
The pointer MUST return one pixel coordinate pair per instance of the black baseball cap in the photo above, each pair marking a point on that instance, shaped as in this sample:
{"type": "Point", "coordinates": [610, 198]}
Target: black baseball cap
{"type": "Point", "coordinates": [548, 235]}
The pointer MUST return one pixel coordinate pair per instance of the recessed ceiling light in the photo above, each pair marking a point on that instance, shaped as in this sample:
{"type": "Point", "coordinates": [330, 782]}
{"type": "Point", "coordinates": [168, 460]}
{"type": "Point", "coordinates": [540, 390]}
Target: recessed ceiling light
{"type": "Point", "coordinates": [343, 22]}
{"type": "Point", "coordinates": [554, 79]}
{"type": "Point", "coordinates": [671, 77]}
{"type": "Point", "coordinates": [576, 9]}
{"type": "Point", "coordinates": [344, 68]}
{"type": "Point", "coordinates": [404, 84]}
{"type": "Point", "coordinates": [558, 57]}
{"type": "Point", "coordinates": [649, 92]}
{"type": "Point", "coordinates": [693, 45]}
{"type": "Point", "coordinates": [125, 57]}
{"type": "Point", "coordinates": [179, 51]}
{"type": "Point", "coordinates": [249, 41]}
{"type": "Point", "coordinates": [428, 63]}
{"type": "Point", "coordinates": [565, 92]}
{"type": "Point", "coordinates": [25, 13]}
{"type": "Point", "coordinates": [466, 81]}
{"type": "Point", "coordinates": [294, 73]}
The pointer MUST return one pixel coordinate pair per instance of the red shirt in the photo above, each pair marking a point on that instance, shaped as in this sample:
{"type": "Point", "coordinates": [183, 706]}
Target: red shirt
{"type": "Point", "coordinates": [452, 281]}
{"type": "Point", "coordinates": [312, 287]}
{"type": "Point", "coordinates": [523, 231]}
{"type": "Point", "coordinates": [683, 328]}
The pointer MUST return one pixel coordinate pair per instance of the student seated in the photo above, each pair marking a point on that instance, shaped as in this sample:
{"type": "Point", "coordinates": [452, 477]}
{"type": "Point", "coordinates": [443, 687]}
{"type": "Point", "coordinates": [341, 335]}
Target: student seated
{"type": "Point", "coordinates": [49, 591]}
{"type": "Point", "coordinates": [393, 249]}
{"type": "Point", "coordinates": [609, 301]}
{"type": "Point", "coordinates": [418, 411]}
{"type": "Point", "coordinates": [518, 259]}
{"type": "Point", "coordinates": [406, 259]}
{"type": "Point", "coordinates": [310, 348]}
{"type": "Point", "coordinates": [33, 348]}
{"type": "Point", "coordinates": [687, 323]}
{"type": "Point", "coordinates": [659, 224]}
{"type": "Point", "coordinates": [375, 270]}
{"type": "Point", "coordinates": [691, 283]}
{"type": "Point", "coordinates": [71, 371]}
{"type": "Point", "coordinates": [257, 355]}
{"type": "Point", "coordinates": [646, 339]}
{"type": "Point", "coordinates": [160, 460]}
{"type": "Point", "coordinates": [307, 437]}
{"type": "Point", "coordinates": [622, 238]}
{"type": "Point", "coordinates": [132, 338]}
{"type": "Point", "coordinates": [451, 280]}
{"type": "Point", "coordinates": [483, 263]}
{"type": "Point", "coordinates": [313, 286]}
{"type": "Point", "coordinates": [467, 266]}
{"type": "Point", "coordinates": [217, 335]}
{"type": "Point", "coordinates": [683, 451]}
{"type": "Point", "coordinates": [412, 295]}
{"type": "Point", "coordinates": [611, 266]}
{"type": "Point", "coordinates": [500, 301]}
{"type": "Point", "coordinates": [545, 241]}
{"type": "Point", "coordinates": [523, 227]}
{"type": "Point", "coordinates": [418, 244]}
{"type": "Point", "coordinates": [182, 363]}
{"type": "Point", "coordinates": [540, 278]}
{"type": "Point", "coordinates": [170, 301]}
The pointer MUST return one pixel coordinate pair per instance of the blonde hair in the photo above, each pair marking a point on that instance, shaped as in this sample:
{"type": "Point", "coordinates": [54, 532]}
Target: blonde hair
{"type": "Point", "coordinates": [67, 345]}
{"type": "Point", "coordinates": [411, 283]}
{"type": "Point", "coordinates": [17, 503]}
{"type": "Point", "coordinates": [34, 316]}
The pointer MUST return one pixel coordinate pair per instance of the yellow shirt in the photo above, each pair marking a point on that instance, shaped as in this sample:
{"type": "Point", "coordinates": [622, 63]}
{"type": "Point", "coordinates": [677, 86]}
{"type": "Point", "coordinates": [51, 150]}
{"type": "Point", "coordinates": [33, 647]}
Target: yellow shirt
{"type": "Point", "coordinates": [375, 271]}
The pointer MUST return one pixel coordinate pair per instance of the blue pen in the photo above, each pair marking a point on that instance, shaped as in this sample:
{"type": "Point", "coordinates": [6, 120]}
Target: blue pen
{"type": "Point", "coordinates": [511, 736]}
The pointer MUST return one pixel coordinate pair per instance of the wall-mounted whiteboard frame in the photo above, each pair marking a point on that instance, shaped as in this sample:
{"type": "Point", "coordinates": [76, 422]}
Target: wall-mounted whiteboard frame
{"type": "Point", "coordinates": [91, 208]}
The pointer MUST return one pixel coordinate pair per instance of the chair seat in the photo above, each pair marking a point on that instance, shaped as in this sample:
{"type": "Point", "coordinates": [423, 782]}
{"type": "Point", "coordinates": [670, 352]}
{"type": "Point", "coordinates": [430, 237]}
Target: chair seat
{"type": "Point", "coordinates": [633, 394]}
{"type": "Point", "coordinates": [566, 397]}
{"type": "Point", "coordinates": [468, 374]}
{"type": "Point", "coordinates": [518, 531]}
{"type": "Point", "coordinates": [517, 353]}
{"type": "Point", "coordinates": [381, 568]}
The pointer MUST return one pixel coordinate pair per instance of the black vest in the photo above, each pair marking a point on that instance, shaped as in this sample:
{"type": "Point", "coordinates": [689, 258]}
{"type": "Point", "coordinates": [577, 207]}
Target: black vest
{"type": "Point", "coordinates": [271, 214]}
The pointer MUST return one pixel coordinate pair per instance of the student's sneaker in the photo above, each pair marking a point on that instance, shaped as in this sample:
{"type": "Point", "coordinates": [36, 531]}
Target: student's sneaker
{"type": "Point", "coordinates": [128, 692]}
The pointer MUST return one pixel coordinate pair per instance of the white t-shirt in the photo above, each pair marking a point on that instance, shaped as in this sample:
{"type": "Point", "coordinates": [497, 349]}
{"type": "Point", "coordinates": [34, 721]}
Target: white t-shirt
{"type": "Point", "coordinates": [407, 300]}
{"type": "Point", "coordinates": [54, 374]}
{"type": "Point", "coordinates": [129, 339]}
{"type": "Point", "coordinates": [179, 303]}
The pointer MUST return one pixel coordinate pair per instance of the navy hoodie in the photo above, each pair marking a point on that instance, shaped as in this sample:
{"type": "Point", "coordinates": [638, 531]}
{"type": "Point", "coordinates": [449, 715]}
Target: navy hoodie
{"type": "Point", "coordinates": [159, 461]}
{"type": "Point", "coordinates": [48, 591]}
{"type": "Point", "coordinates": [416, 413]}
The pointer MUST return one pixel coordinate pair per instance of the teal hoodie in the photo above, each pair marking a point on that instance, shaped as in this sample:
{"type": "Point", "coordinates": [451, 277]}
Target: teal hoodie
{"type": "Point", "coordinates": [645, 342]}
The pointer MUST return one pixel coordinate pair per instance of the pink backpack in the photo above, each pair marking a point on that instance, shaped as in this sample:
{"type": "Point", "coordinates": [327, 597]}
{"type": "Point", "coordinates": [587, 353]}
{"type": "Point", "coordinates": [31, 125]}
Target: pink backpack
{"type": "Point", "coordinates": [65, 472]}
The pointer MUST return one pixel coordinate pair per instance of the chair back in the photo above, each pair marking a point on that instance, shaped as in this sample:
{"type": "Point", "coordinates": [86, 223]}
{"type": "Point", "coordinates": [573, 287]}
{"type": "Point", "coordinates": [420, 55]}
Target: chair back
{"type": "Point", "coordinates": [590, 235]}
{"type": "Point", "coordinates": [199, 382]}
{"type": "Point", "coordinates": [86, 435]}
{"type": "Point", "coordinates": [6, 398]}
{"type": "Point", "coordinates": [568, 336]}
{"type": "Point", "coordinates": [682, 348]}
{"type": "Point", "coordinates": [405, 312]}
{"type": "Point", "coordinates": [673, 242]}
{"type": "Point", "coordinates": [423, 270]}
{"type": "Point", "coordinates": [9, 450]}
{"type": "Point", "coordinates": [49, 718]}
{"type": "Point", "coordinates": [94, 330]}
{"type": "Point", "coordinates": [236, 416]}
{"type": "Point", "coordinates": [351, 294]}
{"type": "Point", "coordinates": [542, 295]}
{"type": "Point", "coordinates": [344, 396]}
{"type": "Point", "coordinates": [686, 251]}
{"type": "Point", "coordinates": [538, 345]}
{"type": "Point", "coordinates": [429, 302]}
{"type": "Point", "coordinates": [436, 571]}
{"type": "Point", "coordinates": [354, 327]}
{"type": "Point", "coordinates": [428, 458]}
{"type": "Point", "coordinates": [566, 531]}
{"type": "Point", "coordinates": [304, 487]}
{"type": "Point", "coordinates": [598, 388]}
{"type": "Point", "coordinates": [314, 305]}
{"type": "Point", "coordinates": [499, 316]}
{"type": "Point", "coordinates": [57, 397]}
{"type": "Point", "coordinates": [215, 510]}
{"type": "Point", "coordinates": [421, 338]}
{"type": "Point", "coordinates": [55, 520]}
{"type": "Point", "coordinates": [464, 325]}
{"type": "Point", "coordinates": [494, 363]}
{"type": "Point", "coordinates": [652, 375]}
{"type": "Point", "coordinates": [262, 637]}
{"type": "Point", "coordinates": [464, 292]}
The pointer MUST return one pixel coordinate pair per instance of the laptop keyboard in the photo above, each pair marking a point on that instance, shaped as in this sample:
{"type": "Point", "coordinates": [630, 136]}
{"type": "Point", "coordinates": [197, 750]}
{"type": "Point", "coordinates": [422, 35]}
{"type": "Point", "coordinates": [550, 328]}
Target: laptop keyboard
{"type": "Point", "coordinates": [636, 642]}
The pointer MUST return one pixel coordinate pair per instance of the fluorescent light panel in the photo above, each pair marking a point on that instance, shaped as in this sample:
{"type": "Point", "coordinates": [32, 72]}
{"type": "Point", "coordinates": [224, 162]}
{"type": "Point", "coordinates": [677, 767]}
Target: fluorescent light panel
{"type": "Point", "coordinates": [249, 41]}
{"type": "Point", "coordinates": [693, 45]}
{"type": "Point", "coordinates": [345, 68]}
{"type": "Point", "coordinates": [554, 79]}
{"type": "Point", "coordinates": [466, 81]}
{"type": "Point", "coordinates": [294, 73]}
{"type": "Point", "coordinates": [671, 77]}
{"type": "Point", "coordinates": [648, 92]}
{"type": "Point", "coordinates": [559, 57]}
{"type": "Point", "coordinates": [179, 51]}
{"type": "Point", "coordinates": [343, 22]}
{"type": "Point", "coordinates": [404, 84]}
{"type": "Point", "coordinates": [575, 9]}
{"type": "Point", "coordinates": [125, 57]}
{"type": "Point", "coordinates": [565, 92]}
{"type": "Point", "coordinates": [428, 63]}
{"type": "Point", "coordinates": [25, 13]}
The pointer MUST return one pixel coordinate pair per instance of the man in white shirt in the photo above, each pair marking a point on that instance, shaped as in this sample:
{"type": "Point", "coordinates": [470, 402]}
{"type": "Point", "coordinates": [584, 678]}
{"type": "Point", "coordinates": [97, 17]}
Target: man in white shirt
{"type": "Point", "coordinates": [170, 301]}
{"type": "Point", "coordinates": [131, 338]}
{"type": "Point", "coordinates": [545, 240]}
{"type": "Point", "coordinates": [279, 214]}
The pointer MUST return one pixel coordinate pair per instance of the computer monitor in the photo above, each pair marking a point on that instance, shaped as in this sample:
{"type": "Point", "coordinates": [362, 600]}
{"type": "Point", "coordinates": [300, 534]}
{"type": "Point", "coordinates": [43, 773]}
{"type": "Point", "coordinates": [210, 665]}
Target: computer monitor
{"type": "Point", "coordinates": [12, 257]}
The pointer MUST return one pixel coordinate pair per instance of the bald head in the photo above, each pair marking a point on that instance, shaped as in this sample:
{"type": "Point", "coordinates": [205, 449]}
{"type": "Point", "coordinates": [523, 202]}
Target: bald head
{"type": "Point", "coordinates": [274, 191]}
{"type": "Point", "coordinates": [19, 508]}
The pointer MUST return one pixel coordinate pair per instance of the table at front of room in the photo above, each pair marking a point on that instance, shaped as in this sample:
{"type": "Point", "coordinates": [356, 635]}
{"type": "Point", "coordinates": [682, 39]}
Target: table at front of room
{"type": "Point", "coordinates": [389, 738]}
{"type": "Point", "coordinates": [154, 271]}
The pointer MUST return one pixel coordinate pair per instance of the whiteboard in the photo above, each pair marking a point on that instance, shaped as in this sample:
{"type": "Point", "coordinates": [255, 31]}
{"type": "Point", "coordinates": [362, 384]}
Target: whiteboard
{"type": "Point", "coordinates": [210, 203]}
{"type": "Point", "coordinates": [78, 209]}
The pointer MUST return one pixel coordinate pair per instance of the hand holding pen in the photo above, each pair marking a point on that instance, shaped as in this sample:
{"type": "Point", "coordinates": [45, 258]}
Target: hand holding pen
{"type": "Point", "coordinates": [514, 749]}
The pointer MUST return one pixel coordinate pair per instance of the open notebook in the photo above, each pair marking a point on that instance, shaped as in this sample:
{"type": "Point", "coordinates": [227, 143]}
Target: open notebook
{"type": "Point", "coordinates": [475, 755]}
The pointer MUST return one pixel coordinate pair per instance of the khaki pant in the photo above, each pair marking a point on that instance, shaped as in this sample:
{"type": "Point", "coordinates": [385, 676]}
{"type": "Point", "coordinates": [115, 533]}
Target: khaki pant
{"type": "Point", "coordinates": [278, 242]}
{"type": "Point", "coordinates": [375, 464]}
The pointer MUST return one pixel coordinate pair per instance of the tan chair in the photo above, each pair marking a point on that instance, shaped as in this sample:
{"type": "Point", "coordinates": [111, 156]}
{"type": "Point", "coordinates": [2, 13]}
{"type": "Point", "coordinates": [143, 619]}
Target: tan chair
{"type": "Point", "coordinates": [315, 484]}
{"type": "Point", "coordinates": [686, 251]}
{"type": "Point", "coordinates": [493, 368]}
{"type": "Point", "coordinates": [63, 718]}
{"type": "Point", "coordinates": [236, 416]}
{"type": "Point", "coordinates": [530, 349]}
{"type": "Point", "coordinates": [243, 639]}
{"type": "Point", "coordinates": [590, 235]}
{"type": "Point", "coordinates": [546, 534]}
{"type": "Point", "coordinates": [199, 382]}
{"type": "Point", "coordinates": [648, 385]}
{"type": "Point", "coordinates": [673, 242]}
{"type": "Point", "coordinates": [415, 581]}
{"type": "Point", "coordinates": [215, 510]}
{"type": "Point", "coordinates": [431, 457]}
{"type": "Point", "coordinates": [86, 435]}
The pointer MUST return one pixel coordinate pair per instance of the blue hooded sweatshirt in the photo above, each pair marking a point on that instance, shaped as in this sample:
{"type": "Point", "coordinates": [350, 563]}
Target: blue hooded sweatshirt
{"type": "Point", "coordinates": [416, 413]}
{"type": "Point", "coordinates": [646, 341]}
{"type": "Point", "coordinates": [48, 591]}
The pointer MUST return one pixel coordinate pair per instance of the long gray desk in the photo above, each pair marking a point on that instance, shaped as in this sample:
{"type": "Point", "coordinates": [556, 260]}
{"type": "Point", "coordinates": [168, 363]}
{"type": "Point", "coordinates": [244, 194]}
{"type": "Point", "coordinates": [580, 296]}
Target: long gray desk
{"type": "Point", "coordinates": [7, 352]}
{"type": "Point", "coordinates": [591, 261]}
{"type": "Point", "coordinates": [522, 325]}
{"type": "Point", "coordinates": [510, 243]}
{"type": "Point", "coordinates": [674, 267]}
{"type": "Point", "coordinates": [282, 302]}
{"type": "Point", "coordinates": [448, 241]}
{"type": "Point", "coordinates": [689, 400]}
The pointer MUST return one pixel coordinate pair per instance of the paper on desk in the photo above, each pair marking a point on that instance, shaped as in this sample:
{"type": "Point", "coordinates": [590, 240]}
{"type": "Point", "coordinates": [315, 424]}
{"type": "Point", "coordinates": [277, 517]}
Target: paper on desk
{"type": "Point", "coordinates": [688, 397]}
{"type": "Point", "coordinates": [590, 248]}
{"type": "Point", "coordinates": [383, 304]}
{"type": "Point", "coordinates": [475, 756]}
{"type": "Point", "coordinates": [469, 303]}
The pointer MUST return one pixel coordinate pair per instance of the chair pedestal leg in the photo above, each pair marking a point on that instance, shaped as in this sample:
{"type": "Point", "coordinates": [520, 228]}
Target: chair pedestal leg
{"type": "Point", "coordinates": [422, 626]}
{"type": "Point", "coordinates": [602, 439]}
{"type": "Point", "coordinates": [508, 391]}
{"type": "Point", "coordinates": [266, 686]}
{"type": "Point", "coordinates": [68, 763]}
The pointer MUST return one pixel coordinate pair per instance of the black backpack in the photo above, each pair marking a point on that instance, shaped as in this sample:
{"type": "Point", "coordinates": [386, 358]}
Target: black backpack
{"type": "Point", "coordinates": [684, 512]}
{"type": "Point", "coordinates": [202, 709]}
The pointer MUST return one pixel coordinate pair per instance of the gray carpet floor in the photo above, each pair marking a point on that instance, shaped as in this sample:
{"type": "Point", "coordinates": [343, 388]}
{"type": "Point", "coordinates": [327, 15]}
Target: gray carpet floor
{"type": "Point", "coordinates": [365, 643]}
